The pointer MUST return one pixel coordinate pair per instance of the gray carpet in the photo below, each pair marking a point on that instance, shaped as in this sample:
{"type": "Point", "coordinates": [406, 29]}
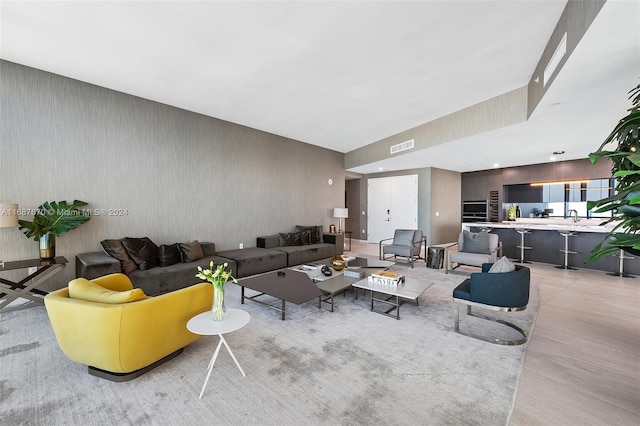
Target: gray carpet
{"type": "Point", "coordinates": [349, 367]}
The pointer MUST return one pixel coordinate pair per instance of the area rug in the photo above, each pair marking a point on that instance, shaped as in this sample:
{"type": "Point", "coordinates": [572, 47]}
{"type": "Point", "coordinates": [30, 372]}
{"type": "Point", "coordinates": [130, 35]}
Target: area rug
{"type": "Point", "coordinates": [347, 367]}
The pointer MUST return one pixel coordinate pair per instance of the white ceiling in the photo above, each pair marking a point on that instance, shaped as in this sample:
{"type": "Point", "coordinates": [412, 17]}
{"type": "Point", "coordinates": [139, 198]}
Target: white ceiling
{"type": "Point", "coordinates": [344, 74]}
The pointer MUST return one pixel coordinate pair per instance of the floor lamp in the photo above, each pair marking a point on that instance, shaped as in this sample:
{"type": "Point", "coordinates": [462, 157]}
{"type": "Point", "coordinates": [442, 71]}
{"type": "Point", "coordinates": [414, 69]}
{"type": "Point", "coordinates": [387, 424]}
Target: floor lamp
{"type": "Point", "coordinates": [340, 213]}
{"type": "Point", "coordinates": [8, 218]}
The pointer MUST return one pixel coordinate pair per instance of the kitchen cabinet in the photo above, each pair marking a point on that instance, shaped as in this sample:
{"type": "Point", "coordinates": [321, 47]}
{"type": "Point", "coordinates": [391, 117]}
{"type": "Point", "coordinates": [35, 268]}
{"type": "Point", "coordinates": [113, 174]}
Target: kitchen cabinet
{"type": "Point", "coordinates": [523, 193]}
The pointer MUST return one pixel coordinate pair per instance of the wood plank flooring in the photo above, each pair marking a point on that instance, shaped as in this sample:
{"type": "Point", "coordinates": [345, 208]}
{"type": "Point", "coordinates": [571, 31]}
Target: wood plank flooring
{"type": "Point", "coordinates": [582, 365]}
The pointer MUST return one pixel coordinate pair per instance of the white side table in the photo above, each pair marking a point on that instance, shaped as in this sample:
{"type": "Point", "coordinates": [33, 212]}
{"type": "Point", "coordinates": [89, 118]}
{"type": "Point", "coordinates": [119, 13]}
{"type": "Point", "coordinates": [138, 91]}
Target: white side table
{"type": "Point", "coordinates": [203, 324]}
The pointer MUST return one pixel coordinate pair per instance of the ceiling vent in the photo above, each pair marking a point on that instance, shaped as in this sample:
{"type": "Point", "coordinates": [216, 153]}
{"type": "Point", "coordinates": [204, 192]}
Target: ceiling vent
{"type": "Point", "coordinates": [402, 147]}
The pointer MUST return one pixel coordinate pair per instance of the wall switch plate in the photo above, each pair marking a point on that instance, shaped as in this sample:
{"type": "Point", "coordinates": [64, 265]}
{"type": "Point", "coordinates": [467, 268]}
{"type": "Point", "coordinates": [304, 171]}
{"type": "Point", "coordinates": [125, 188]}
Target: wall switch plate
{"type": "Point", "coordinates": [241, 245]}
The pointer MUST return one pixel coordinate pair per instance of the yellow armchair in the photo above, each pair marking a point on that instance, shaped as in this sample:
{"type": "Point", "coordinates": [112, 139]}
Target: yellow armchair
{"type": "Point", "coordinates": [121, 341]}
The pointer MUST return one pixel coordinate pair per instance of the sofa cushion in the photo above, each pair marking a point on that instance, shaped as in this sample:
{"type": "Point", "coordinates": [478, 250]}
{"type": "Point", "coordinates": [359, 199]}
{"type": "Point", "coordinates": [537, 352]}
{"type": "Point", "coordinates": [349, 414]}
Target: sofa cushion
{"type": "Point", "coordinates": [174, 277]}
{"type": "Point", "coordinates": [255, 260]}
{"type": "Point", "coordinates": [475, 242]}
{"type": "Point", "coordinates": [502, 265]}
{"type": "Point", "coordinates": [191, 252]}
{"type": "Point", "coordinates": [297, 255]}
{"type": "Point", "coordinates": [83, 289]}
{"type": "Point", "coordinates": [143, 251]}
{"type": "Point", "coordinates": [169, 255]}
{"type": "Point", "coordinates": [115, 249]}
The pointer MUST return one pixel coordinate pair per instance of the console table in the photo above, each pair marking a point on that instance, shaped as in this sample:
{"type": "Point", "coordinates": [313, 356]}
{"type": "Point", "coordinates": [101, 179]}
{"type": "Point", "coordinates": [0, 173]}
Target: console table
{"type": "Point", "coordinates": [26, 288]}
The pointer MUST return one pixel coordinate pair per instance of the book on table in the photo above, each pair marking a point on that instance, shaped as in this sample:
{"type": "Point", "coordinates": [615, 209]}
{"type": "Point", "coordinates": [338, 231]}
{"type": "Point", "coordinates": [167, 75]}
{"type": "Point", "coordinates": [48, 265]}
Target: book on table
{"type": "Point", "coordinates": [387, 278]}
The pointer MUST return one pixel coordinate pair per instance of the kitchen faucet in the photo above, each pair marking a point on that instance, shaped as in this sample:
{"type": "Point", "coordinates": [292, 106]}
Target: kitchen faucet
{"type": "Point", "coordinates": [575, 217]}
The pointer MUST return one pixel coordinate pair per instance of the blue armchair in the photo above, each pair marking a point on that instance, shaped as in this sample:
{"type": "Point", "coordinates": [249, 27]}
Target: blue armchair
{"type": "Point", "coordinates": [505, 291]}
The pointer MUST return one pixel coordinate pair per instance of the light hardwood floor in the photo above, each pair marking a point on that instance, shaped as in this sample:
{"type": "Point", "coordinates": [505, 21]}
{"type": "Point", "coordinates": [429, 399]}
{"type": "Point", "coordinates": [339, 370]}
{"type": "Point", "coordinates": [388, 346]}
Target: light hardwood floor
{"type": "Point", "coordinates": [582, 365]}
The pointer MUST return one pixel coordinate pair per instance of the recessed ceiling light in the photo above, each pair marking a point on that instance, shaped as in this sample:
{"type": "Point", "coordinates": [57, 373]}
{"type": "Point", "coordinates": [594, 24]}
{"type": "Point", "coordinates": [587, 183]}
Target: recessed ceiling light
{"type": "Point", "coordinates": [496, 165]}
{"type": "Point", "coordinates": [552, 158]}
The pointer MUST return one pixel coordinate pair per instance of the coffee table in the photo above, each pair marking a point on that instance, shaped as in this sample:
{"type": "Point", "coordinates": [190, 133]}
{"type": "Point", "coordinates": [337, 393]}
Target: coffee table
{"type": "Point", "coordinates": [333, 286]}
{"type": "Point", "coordinates": [411, 289]}
{"type": "Point", "coordinates": [287, 285]}
{"type": "Point", "coordinates": [339, 283]}
{"type": "Point", "coordinates": [205, 325]}
{"type": "Point", "coordinates": [302, 283]}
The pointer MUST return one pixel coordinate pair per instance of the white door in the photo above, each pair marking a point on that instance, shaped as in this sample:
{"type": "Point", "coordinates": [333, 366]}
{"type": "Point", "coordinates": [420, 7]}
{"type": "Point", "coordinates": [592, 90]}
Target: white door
{"type": "Point", "coordinates": [379, 208]}
{"type": "Point", "coordinates": [392, 204]}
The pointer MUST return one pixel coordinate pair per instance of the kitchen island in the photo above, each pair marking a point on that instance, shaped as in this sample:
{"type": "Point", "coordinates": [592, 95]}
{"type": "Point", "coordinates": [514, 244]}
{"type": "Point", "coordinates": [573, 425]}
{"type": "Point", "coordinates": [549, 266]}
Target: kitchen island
{"type": "Point", "coordinates": [546, 242]}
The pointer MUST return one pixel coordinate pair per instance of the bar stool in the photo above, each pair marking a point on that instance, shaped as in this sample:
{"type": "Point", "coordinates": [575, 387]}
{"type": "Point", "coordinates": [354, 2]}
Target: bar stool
{"type": "Point", "coordinates": [566, 251]}
{"type": "Point", "coordinates": [522, 247]}
{"type": "Point", "coordinates": [622, 256]}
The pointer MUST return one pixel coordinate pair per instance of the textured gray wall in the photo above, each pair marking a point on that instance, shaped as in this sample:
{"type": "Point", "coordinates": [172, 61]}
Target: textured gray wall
{"type": "Point", "coordinates": [445, 195]}
{"type": "Point", "coordinates": [177, 175]}
{"type": "Point", "coordinates": [495, 113]}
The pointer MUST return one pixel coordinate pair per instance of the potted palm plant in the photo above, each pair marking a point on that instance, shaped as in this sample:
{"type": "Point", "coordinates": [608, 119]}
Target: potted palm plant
{"type": "Point", "coordinates": [625, 203]}
{"type": "Point", "coordinates": [52, 219]}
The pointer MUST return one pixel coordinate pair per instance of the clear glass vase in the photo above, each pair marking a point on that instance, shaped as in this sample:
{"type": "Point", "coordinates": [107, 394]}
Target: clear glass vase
{"type": "Point", "coordinates": [218, 310]}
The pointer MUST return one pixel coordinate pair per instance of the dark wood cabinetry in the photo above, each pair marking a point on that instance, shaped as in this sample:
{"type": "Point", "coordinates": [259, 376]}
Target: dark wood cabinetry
{"type": "Point", "coordinates": [513, 183]}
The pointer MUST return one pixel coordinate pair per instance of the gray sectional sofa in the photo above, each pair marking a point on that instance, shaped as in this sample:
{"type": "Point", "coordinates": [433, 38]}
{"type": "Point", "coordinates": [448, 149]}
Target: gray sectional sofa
{"type": "Point", "coordinates": [135, 258]}
{"type": "Point", "coordinates": [154, 280]}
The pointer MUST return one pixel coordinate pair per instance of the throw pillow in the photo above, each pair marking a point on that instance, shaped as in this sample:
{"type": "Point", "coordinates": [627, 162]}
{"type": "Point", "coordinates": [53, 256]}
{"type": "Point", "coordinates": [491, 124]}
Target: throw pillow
{"type": "Point", "coordinates": [290, 239]}
{"type": "Point", "coordinates": [306, 237]}
{"type": "Point", "coordinates": [316, 232]}
{"type": "Point", "coordinates": [314, 237]}
{"type": "Point", "coordinates": [169, 255]}
{"type": "Point", "coordinates": [143, 251]}
{"type": "Point", "coordinates": [502, 265]}
{"type": "Point", "coordinates": [115, 249]}
{"type": "Point", "coordinates": [476, 242]}
{"type": "Point", "coordinates": [84, 289]}
{"type": "Point", "coordinates": [191, 252]}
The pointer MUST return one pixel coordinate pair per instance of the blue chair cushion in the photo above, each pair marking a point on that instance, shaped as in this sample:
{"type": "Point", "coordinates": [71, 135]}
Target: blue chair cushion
{"type": "Point", "coordinates": [508, 289]}
{"type": "Point", "coordinates": [463, 291]}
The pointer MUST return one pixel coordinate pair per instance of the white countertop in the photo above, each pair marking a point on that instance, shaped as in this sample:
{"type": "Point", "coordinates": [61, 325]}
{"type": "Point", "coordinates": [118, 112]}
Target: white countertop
{"type": "Point", "coordinates": [583, 225]}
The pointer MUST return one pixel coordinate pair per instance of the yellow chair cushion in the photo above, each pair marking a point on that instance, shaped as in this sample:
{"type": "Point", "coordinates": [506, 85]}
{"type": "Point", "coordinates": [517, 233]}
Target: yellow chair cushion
{"type": "Point", "coordinates": [84, 289]}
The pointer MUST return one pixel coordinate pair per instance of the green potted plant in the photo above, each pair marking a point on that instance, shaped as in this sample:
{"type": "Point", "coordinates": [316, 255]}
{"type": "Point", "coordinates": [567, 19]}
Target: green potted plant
{"type": "Point", "coordinates": [625, 204]}
{"type": "Point", "coordinates": [51, 219]}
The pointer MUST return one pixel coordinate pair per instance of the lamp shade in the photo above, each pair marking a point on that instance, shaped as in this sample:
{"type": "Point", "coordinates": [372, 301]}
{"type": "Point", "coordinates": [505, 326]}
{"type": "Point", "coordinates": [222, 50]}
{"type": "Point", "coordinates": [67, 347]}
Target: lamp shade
{"type": "Point", "coordinates": [8, 215]}
{"type": "Point", "coordinates": [340, 212]}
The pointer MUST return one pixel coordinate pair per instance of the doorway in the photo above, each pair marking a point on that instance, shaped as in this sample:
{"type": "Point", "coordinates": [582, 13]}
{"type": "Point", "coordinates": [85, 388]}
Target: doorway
{"type": "Point", "coordinates": [392, 203]}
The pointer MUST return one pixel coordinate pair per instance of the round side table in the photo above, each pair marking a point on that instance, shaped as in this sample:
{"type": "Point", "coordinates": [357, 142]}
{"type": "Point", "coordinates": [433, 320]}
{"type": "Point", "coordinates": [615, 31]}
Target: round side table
{"type": "Point", "coordinates": [203, 324]}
